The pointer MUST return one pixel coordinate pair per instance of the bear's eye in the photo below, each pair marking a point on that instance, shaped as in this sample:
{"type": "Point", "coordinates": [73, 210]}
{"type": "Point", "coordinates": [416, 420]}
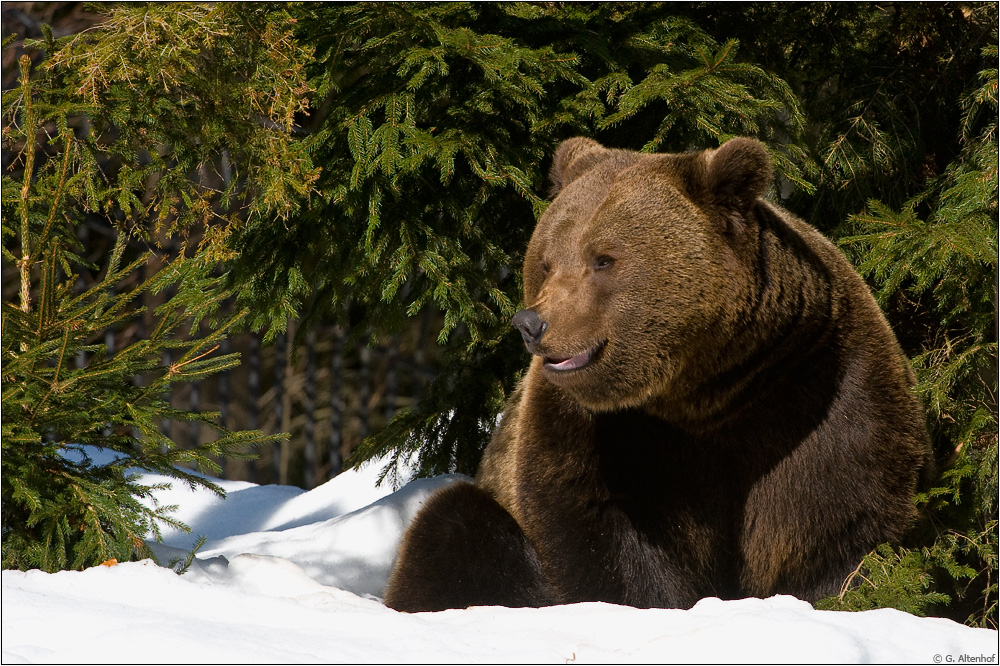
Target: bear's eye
{"type": "Point", "coordinates": [603, 262]}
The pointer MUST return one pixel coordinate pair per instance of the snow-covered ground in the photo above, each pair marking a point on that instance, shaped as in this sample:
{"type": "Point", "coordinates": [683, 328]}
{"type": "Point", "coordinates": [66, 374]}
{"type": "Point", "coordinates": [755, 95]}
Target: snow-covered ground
{"type": "Point", "coordinates": [293, 576]}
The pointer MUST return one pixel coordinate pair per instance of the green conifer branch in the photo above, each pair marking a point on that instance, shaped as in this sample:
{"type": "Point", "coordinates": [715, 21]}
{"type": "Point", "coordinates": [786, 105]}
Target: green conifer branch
{"type": "Point", "coordinates": [61, 507]}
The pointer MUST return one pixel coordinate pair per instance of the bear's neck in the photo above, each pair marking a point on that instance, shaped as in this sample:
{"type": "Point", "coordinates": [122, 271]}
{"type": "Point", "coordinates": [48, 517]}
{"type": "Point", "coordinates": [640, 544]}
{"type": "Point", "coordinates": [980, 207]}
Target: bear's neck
{"type": "Point", "coordinates": [786, 320]}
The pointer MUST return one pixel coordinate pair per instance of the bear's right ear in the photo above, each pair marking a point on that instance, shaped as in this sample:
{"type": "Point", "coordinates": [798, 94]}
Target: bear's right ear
{"type": "Point", "coordinates": [572, 159]}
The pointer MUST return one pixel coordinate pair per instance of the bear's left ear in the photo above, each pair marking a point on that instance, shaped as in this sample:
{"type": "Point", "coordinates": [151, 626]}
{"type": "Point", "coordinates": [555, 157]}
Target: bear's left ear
{"type": "Point", "coordinates": [739, 171]}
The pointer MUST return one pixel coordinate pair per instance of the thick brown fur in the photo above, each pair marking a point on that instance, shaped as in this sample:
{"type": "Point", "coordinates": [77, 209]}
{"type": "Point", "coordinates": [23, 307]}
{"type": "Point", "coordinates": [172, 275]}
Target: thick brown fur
{"type": "Point", "coordinates": [742, 425]}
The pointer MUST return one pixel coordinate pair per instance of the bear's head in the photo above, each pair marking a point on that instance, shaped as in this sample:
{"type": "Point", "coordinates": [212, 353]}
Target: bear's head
{"type": "Point", "coordinates": [638, 266]}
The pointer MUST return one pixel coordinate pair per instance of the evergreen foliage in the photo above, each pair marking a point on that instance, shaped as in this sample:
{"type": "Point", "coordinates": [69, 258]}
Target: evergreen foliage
{"type": "Point", "coordinates": [413, 178]}
{"type": "Point", "coordinates": [108, 130]}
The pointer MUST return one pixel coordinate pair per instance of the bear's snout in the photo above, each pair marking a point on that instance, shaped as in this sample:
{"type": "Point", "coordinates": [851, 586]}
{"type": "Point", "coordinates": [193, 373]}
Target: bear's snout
{"type": "Point", "coordinates": [531, 326]}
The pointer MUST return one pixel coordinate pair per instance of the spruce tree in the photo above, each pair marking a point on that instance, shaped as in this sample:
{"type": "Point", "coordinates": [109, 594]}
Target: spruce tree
{"type": "Point", "coordinates": [108, 131]}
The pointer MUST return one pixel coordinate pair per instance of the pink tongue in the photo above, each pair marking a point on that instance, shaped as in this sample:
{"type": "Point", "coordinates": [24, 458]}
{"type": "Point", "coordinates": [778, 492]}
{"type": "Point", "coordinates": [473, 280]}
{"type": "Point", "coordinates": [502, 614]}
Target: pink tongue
{"type": "Point", "coordinates": [571, 363]}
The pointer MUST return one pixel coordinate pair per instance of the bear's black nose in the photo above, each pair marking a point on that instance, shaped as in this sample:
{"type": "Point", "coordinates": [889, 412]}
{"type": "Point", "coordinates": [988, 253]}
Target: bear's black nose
{"type": "Point", "coordinates": [531, 326]}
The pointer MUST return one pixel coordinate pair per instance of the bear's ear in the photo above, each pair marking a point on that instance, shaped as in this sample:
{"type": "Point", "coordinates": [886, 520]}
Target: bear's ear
{"type": "Point", "coordinates": [572, 159]}
{"type": "Point", "coordinates": [739, 171]}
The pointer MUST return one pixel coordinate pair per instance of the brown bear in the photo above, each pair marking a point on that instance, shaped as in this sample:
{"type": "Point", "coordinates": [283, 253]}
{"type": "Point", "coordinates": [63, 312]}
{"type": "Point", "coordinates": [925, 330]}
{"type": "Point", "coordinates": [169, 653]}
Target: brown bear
{"type": "Point", "coordinates": [715, 405]}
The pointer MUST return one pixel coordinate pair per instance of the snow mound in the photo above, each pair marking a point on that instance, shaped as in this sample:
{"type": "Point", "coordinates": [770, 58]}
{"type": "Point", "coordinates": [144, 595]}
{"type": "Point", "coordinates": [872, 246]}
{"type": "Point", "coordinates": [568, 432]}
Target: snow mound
{"type": "Point", "coordinates": [293, 576]}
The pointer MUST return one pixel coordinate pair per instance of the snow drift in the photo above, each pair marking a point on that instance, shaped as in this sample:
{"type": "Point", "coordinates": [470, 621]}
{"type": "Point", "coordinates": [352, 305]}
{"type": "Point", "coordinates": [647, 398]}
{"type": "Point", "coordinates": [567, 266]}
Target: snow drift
{"type": "Point", "coordinates": [293, 576]}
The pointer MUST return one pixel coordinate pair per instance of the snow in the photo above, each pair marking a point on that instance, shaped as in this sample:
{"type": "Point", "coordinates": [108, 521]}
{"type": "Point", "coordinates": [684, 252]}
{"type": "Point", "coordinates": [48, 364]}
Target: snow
{"type": "Point", "coordinates": [292, 576]}
{"type": "Point", "coordinates": [342, 534]}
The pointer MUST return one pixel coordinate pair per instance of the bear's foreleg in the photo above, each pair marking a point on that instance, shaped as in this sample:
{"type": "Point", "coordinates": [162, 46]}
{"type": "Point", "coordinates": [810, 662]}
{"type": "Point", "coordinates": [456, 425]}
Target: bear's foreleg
{"type": "Point", "coordinates": [464, 549]}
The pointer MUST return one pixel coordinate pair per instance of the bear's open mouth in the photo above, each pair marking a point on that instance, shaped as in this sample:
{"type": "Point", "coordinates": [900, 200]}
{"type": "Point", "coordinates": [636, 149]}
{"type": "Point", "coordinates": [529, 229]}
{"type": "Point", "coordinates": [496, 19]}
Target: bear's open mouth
{"type": "Point", "coordinates": [575, 362]}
